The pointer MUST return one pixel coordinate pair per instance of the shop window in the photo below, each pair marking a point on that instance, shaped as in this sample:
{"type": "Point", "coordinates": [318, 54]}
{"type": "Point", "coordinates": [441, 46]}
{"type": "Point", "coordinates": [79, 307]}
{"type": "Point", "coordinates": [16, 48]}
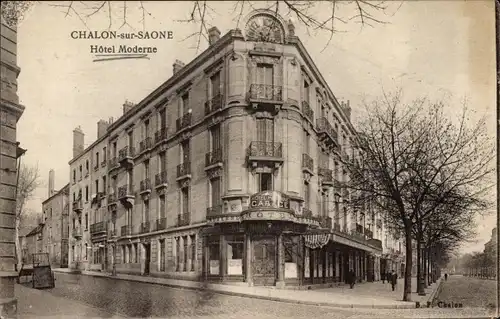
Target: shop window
{"type": "Point", "coordinates": [265, 182]}
{"type": "Point", "coordinates": [291, 250]}
{"type": "Point", "coordinates": [162, 254]}
{"type": "Point", "coordinates": [213, 256]}
{"type": "Point", "coordinates": [186, 253]}
{"type": "Point", "coordinates": [235, 252]}
{"type": "Point", "coordinates": [193, 252]}
{"type": "Point", "coordinates": [179, 256]}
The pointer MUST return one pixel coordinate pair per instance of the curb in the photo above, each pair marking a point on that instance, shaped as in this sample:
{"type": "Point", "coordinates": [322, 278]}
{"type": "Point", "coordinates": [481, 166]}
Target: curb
{"type": "Point", "coordinates": [433, 295]}
{"type": "Point", "coordinates": [410, 305]}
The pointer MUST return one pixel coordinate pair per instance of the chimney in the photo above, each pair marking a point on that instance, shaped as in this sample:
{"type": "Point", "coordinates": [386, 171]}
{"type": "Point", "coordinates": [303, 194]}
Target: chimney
{"type": "Point", "coordinates": [178, 65]}
{"type": "Point", "coordinates": [213, 35]}
{"type": "Point", "coordinates": [110, 120]}
{"type": "Point", "coordinates": [78, 140]}
{"type": "Point", "coordinates": [102, 126]}
{"type": "Point", "coordinates": [347, 109]}
{"type": "Point", "coordinates": [127, 106]}
{"type": "Point", "coordinates": [51, 182]}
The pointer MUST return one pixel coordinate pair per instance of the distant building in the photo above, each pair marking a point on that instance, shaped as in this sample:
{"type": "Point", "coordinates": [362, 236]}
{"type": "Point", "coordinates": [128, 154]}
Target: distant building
{"type": "Point", "coordinates": [32, 244]}
{"type": "Point", "coordinates": [55, 232]}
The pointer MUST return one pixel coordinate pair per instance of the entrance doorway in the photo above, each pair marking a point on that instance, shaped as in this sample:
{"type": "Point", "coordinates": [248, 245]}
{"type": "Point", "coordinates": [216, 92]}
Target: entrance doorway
{"type": "Point", "coordinates": [264, 261]}
{"type": "Point", "coordinates": [147, 258]}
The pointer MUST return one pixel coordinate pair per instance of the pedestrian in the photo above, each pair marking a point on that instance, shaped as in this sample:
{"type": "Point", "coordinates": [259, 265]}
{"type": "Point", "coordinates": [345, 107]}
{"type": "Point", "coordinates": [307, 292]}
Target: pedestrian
{"type": "Point", "coordinates": [394, 280]}
{"type": "Point", "coordinates": [382, 275]}
{"type": "Point", "coordinates": [445, 277]}
{"type": "Point", "coordinates": [388, 276]}
{"type": "Point", "coordinates": [352, 278]}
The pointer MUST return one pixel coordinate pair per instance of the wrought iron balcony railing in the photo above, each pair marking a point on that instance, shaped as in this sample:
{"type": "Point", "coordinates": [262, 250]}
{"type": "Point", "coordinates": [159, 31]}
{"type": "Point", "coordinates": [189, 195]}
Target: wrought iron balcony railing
{"type": "Point", "coordinates": [183, 122]}
{"type": "Point", "coordinates": [324, 127]}
{"type": "Point", "coordinates": [183, 219]}
{"type": "Point", "coordinates": [146, 144]}
{"type": "Point", "coordinates": [145, 227]}
{"type": "Point", "coordinates": [113, 162]}
{"type": "Point", "coordinates": [145, 185]}
{"type": "Point", "coordinates": [214, 104]}
{"type": "Point", "coordinates": [161, 178]}
{"type": "Point", "coordinates": [161, 135]}
{"type": "Point", "coordinates": [126, 230]}
{"type": "Point", "coordinates": [77, 205]}
{"type": "Point", "coordinates": [98, 228]}
{"type": "Point", "coordinates": [77, 232]}
{"type": "Point", "coordinates": [307, 162]}
{"type": "Point", "coordinates": [161, 224]}
{"type": "Point", "coordinates": [307, 111]}
{"type": "Point", "coordinates": [126, 152]}
{"type": "Point", "coordinates": [184, 169]}
{"type": "Point", "coordinates": [213, 157]}
{"type": "Point", "coordinates": [214, 211]}
{"type": "Point", "coordinates": [111, 198]}
{"type": "Point", "coordinates": [265, 149]}
{"type": "Point", "coordinates": [326, 174]}
{"type": "Point", "coordinates": [125, 191]}
{"type": "Point", "coordinates": [266, 92]}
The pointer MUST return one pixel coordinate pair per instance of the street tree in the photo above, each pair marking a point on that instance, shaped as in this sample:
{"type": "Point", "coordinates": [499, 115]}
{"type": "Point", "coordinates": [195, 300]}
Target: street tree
{"type": "Point", "coordinates": [28, 181]}
{"type": "Point", "coordinates": [411, 159]}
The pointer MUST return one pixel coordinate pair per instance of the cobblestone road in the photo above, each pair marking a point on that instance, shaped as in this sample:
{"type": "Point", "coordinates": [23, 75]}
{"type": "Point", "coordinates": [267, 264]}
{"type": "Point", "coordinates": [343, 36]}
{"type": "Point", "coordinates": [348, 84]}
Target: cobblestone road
{"type": "Point", "coordinates": [132, 299]}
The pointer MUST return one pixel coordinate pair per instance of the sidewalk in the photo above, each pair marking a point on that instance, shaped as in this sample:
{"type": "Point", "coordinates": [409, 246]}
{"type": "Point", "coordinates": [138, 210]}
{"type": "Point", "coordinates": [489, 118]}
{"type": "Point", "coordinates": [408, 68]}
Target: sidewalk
{"type": "Point", "coordinates": [34, 303]}
{"type": "Point", "coordinates": [362, 296]}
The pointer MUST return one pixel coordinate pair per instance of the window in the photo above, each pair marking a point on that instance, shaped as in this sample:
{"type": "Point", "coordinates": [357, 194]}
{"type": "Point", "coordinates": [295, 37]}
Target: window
{"type": "Point", "coordinates": [345, 219]}
{"type": "Point", "coordinates": [146, 128]}
{"type": "Point", "coordinates": [192, 252]}
{"type": "Point", "coordinates": [73, 223]}
{"type": "Point", "coordinates": [185, 103]}
{"type": "Point", "coordinates": [114, 184]}
{"type": "Point", "coordinates": [185, 152]}
{"type": "Point", "coordinates": [213, 255]}
{"type": "Point", "coordinates": [234, 255]}
{"type": "Point", "coordinates": [86, 193]}
{"type": "Point", "coordinates": [86, 166]}
{"type": "Point", "coordinates": [179, 255]}
{"type": "Point", "coordinates": [215, 187]}
{"type": "Point", "coordinates": [114, 149]}
{"type": "Point", "coordinates": [307, 194]}
{"type": "Point", "coordinates": [130, 179]}
{"type": "Point", "coordinates": [74, 176]}
{"type": "Point", "coordinates": [162, 162]}
{"type": "Point", "coordinates": [265, 182]}
{"type": "Point", "coordinates": [186, 252]}
{"type": "Point", "coordinates": [97, 186]}
{"type": "Point", "coordinates": [146, 169]}
{"type": "Point", "coordinates": [104, 153]}
{"type": "Point", "coordinates": [265, 74]}
{"type": "Point", "coordinates": [163, 119]}
{"type": "Point", "coordinates": [162, 254]}
{"type": "Point", "coordinates": [185, 200]}
{"type": "Point", "coordinates": [104, 189]}
{"type": "Point", "coordinates": [162, 206]}
{"type": "Point", "coordinates": [130, 140]}
{"type": "Point", "coordinates": [265, 130]}
{"type": "Point", "coordinates": [86, 221]}
{"type": "Point", "coordinates": [86, 251]}
{"type": "Point", "coordinates": [97, 159]}
{"type": "Point", "coordinates": [305, 93]}
{"type": "Point", "coordinates": [81, 172]}
{"type": "Point", "coordinates": [145, 217]}
{"type": "Point", "coordinates": [324, 199]}
{"type": "Point", "coordinates": [215, 138]}
{"type": "Point", "coordinates": [215, 84]}
{"type": "Point", "coordinates": [306, 144]}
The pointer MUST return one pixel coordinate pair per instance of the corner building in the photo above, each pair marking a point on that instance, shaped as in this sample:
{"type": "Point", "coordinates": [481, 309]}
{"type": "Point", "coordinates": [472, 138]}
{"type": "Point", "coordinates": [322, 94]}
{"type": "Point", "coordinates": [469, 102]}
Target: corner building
{"type": "Point", "coordinates": [230, 170]}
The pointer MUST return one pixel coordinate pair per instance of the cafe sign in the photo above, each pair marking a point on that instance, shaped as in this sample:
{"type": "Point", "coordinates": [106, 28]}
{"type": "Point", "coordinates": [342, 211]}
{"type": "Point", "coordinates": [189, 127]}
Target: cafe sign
{"type": "Point", "coordinates": [269, 199]}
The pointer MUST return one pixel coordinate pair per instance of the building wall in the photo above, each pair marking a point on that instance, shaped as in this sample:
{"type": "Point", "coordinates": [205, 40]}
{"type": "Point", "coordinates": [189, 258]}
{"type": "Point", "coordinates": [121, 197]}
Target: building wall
{"type": "Point", "coordinates": [10, 112]}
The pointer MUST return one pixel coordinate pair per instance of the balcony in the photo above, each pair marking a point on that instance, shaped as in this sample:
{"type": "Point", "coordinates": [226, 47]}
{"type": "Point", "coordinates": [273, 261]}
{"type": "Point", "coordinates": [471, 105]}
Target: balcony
{"type": "Point", "coordinates": [266, 92]}
{"type": "Point", "coordinates": [103, 163]}
{"type": "Point", "coordinates": [307, 164]}
{"type": "Point", "coordinates": [126, 156]}
{"type": "Point", "coordinates": [307, 111]}
{"type": "Point", "coordinates": [145, 228]}
{"type": "Point", "coordinates": [113, 163]}
{"type": "Point", "coordinates": [126, 196]}
{"type": "Point", "coordinates": [145, 187]}
{"type": "Point", "coordinates": [214, 104]}
{"type": "Point", "coordinates": [268, 152]}
{"type": "Point", "coordinates": [77, 232]}
{"type": "Point", "coordinates": [325, 222]}
{"type": "Point", "coordinates": [326, 133]}
{"type": "Point", "coordinates": [306, 212]}
{"type": "Point", "coordinates": [183, 219]}
{"type": "Point", "coordinates": [213, 159]}
{"type": "Point", "coordinates": [161, 180]}
{"type": "Point", "coordinates": [98, 228]}
{"type": "Point", "coordinates": [112, 199]}
{"type": "Point", "coordinates": [161, 224]}
{"type": "Point", "coordinates": [214, 211]}
{"type": "Point", "coordinates": [183, 122]}
{"type": "Point", "coordinates": [112, 233]}
{"type": "Point", "coordinates": [161, 135]}
{"type": "Point", "coordinates": [145, 145]}
{"type": "Point", "coordinates": [77, 206]}
{"type": "Point", "coordinates": [326, 176]}
{"type": "Point", "coordinates": [184, 171]}
{"type": "Point", "coordinates": [126, 230]}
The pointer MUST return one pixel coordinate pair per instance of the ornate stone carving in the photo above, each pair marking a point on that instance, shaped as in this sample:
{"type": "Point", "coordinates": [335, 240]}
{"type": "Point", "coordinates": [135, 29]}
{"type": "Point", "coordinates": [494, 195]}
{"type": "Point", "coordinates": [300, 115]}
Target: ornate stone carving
{"type": "Point", "coordinates": [307, 177]}
{"type": "Point", "coordinates": [258, 59]}
{"type": "Point", "coordinates": [185, 136]}
{"type": "Point", "coordinates": [293, 62]}
{"type": "Point", "coordinates": [185, 183]}
{"type": "Point", "coordinates": [214, 173]}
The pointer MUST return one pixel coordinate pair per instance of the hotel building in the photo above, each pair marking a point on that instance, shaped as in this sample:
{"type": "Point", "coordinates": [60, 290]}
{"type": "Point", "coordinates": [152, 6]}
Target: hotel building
{"type": "Point", "coordinates": [231, 171]}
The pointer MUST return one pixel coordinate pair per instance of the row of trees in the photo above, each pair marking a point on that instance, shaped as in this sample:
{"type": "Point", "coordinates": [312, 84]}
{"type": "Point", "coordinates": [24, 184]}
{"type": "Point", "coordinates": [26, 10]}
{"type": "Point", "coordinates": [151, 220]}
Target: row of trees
{"type": "Point", "coordinates": [479, 264]}
{"type": "Point", "coordinates": [428, 174]}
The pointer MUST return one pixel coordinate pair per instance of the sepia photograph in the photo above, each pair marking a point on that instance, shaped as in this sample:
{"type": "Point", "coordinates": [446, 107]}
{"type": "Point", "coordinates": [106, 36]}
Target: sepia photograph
{"type": "Point", "coordinates": [249, 159]}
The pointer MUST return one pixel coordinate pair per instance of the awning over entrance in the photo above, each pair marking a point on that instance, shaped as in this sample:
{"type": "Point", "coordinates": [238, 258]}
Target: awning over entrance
{"type": "Point", "coordinates": [314, 241]}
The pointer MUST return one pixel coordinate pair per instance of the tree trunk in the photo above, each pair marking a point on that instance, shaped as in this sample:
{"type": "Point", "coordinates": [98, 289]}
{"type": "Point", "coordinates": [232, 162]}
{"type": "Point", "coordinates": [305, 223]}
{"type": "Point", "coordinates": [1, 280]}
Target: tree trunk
{"type": "Point", "coordinates": [19, 253]}
{"type": "Point", "coordinates": [425, 259]}
{"type": "Point", "coordinates": [419, 263]}
{"type": "Point", "coordinates": [408, 266]}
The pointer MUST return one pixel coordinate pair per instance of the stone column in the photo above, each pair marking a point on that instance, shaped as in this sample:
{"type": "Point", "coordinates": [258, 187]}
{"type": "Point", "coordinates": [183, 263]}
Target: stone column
{"type": "Point", "coordinates": [248, 260]}
{"type": "Point", "coordinates": [281, 264]}
{"type": "Point", "coordinates": [223, 257]}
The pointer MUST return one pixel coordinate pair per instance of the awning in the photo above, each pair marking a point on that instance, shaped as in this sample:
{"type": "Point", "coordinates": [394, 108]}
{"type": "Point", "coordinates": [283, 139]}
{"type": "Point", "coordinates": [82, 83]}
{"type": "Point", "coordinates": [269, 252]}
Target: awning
{"type": "Point", "coordinates": [314, 241]}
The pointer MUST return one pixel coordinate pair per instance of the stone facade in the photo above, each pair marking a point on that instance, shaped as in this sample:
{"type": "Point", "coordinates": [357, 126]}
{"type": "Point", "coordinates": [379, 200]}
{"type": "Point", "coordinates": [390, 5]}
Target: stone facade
{"type": "Point", "coordinates": [10, 112]}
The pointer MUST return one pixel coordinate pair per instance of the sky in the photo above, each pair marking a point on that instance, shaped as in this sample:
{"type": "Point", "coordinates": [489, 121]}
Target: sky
{"type": "Point", "coordinates": [438, 49]}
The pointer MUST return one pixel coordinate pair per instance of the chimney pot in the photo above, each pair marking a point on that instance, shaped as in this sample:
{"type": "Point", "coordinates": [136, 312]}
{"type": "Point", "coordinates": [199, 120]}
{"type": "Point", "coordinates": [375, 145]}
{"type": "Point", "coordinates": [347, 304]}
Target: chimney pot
{"type": "Point", "coordinates": [78, 141]}
{"type": "Point", "coordinates": [177, 66]}
{"type": "Point", "coordinates": [102, 126]}
{"type": "Point", "coordinates": [51, 182]}
{"type": "Point", "coordinates": [127, 106]}
{"type": "Point", "coordinates": [213, 35]}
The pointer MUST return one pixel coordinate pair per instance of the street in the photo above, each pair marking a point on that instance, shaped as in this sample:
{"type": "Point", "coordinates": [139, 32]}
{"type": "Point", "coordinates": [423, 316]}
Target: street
{"type": "Point", "coordinates": [133, 299]}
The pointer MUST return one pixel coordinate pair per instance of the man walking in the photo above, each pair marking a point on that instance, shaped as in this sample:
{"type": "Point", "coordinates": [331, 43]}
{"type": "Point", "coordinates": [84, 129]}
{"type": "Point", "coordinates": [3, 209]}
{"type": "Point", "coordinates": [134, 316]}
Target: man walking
{"type": "Point", "coordinates": [394, 280]}
{"type": "Point", "coordinates": [352, 278]}
{"type": "Point", "coordinates": [445, 277]}
{"type": "Point", "coordinates": [382, 275]}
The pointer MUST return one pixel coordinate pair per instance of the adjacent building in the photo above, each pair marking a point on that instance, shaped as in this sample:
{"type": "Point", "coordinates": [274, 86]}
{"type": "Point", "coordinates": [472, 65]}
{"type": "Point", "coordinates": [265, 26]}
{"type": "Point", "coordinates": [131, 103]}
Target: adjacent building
{"type": "Point", "coordinates": [10, 112]}
{"type": "Point", "coordinates": [231, 170]}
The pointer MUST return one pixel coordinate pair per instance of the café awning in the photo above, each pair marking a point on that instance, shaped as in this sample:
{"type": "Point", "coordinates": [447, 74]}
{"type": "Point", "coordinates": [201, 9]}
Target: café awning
{"type": "Point", "coordinates": [314, 241]}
